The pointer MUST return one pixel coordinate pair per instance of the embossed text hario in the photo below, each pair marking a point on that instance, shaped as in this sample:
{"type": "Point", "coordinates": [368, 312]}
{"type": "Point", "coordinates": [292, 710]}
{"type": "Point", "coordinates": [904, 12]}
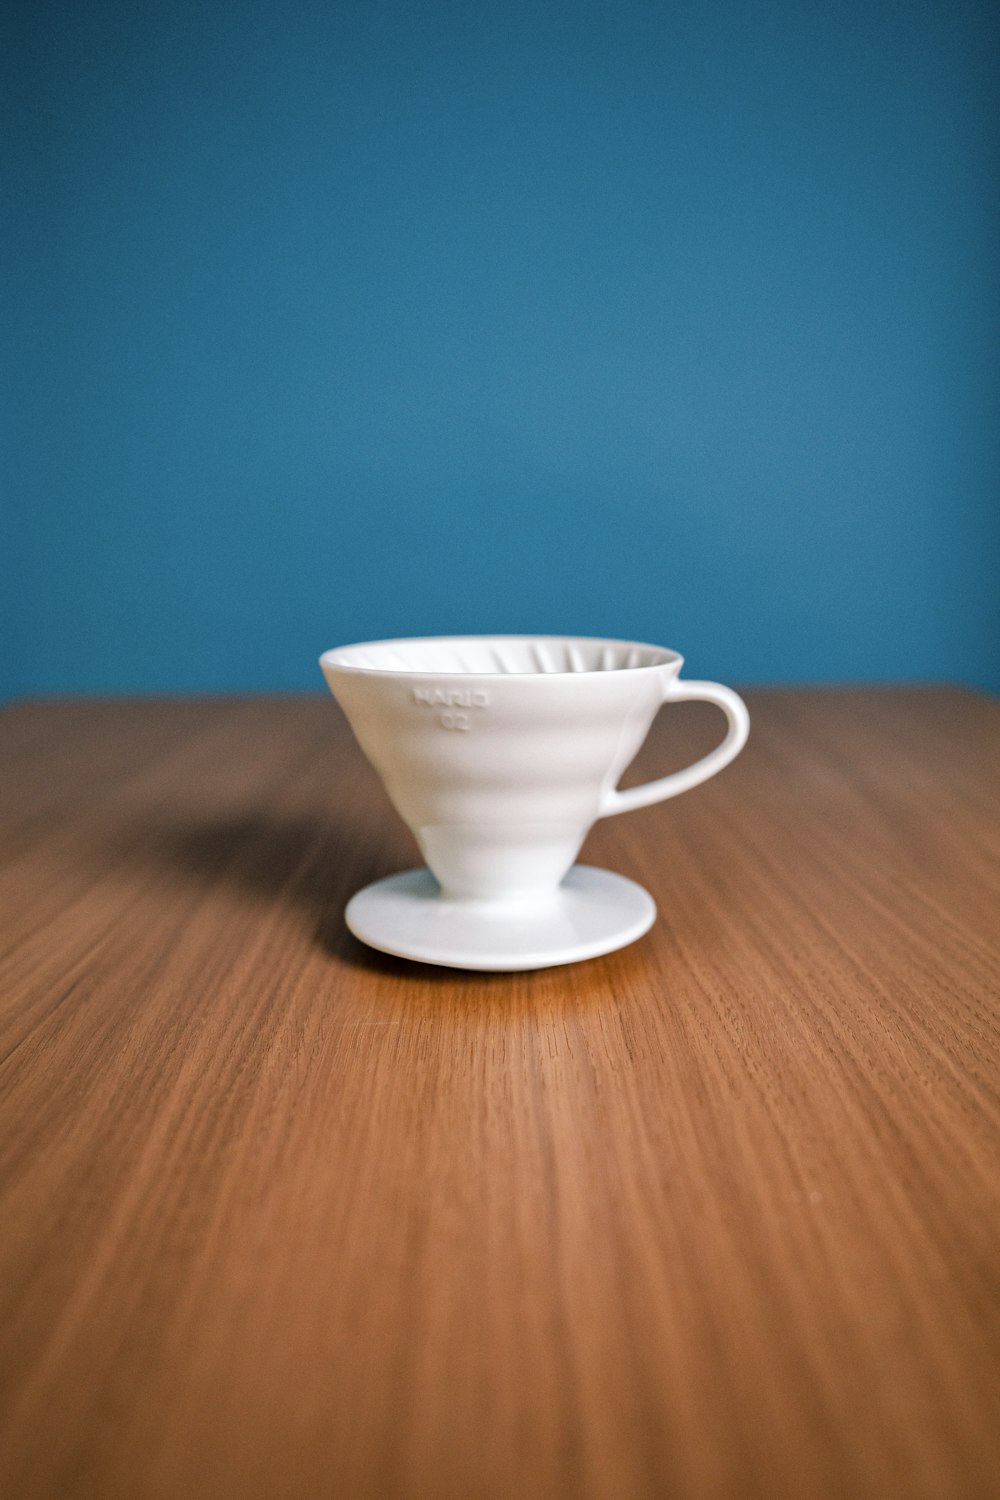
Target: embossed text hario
{"type": "Point", "coordinates": [451, 697]}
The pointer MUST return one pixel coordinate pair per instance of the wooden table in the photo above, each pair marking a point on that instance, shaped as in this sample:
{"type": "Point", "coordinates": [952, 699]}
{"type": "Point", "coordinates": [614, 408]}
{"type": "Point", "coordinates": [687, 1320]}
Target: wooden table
{"type": "Point", "coordinates": [716, 1215]}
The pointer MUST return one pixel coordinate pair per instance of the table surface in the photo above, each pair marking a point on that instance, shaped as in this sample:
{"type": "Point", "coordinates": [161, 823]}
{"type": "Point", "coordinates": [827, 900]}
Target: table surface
{"type": "Point", "coordinates": [716, 1215]}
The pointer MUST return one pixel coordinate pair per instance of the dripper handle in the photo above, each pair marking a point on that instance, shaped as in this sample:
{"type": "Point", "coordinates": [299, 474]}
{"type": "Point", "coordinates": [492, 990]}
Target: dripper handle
{"type": "Point", "coordinates": [675, 691]}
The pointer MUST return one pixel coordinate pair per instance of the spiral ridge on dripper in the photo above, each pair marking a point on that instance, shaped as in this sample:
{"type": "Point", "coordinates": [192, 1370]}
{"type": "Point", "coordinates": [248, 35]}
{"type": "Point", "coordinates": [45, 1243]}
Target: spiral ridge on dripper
{"type": "Point", "coordinates": [499, 655]}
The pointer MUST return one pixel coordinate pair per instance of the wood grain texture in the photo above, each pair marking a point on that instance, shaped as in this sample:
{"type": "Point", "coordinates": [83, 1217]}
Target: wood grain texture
{"type": "Point", "coordinates": [715, 1216]}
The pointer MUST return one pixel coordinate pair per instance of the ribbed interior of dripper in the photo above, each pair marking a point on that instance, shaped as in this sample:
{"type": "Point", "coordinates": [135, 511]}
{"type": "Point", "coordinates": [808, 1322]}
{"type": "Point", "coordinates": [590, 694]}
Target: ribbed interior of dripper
{"type": "Point", "coordinates": [482, 655]}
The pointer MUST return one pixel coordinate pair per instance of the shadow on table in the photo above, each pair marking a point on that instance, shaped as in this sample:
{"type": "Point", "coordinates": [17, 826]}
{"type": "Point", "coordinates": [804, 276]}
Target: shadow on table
{"type": "Point", "coordinates": [311, 864]}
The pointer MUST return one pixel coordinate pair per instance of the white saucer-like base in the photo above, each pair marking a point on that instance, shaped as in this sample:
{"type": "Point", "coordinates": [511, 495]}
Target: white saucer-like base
{"type": "Point", "coordinates": [592, 912]}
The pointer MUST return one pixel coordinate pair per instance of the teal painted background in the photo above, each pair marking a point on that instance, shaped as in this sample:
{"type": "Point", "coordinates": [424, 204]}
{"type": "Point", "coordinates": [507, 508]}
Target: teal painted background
{"type": "Point", "coordinates": [332, 321]}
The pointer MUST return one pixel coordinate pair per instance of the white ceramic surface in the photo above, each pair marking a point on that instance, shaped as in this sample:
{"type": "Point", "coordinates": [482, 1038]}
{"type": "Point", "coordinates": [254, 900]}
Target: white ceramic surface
{"type": "Point", "coordinates": [590, 912]}
{"type": "Point", "coordinates": [500, 752]}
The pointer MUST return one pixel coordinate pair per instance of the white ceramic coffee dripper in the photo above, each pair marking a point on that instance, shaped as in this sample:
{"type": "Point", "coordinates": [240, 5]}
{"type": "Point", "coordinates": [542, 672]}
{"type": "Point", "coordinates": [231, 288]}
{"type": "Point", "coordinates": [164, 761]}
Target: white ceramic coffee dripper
{"type": "Point", "coordinates": [500, 752]}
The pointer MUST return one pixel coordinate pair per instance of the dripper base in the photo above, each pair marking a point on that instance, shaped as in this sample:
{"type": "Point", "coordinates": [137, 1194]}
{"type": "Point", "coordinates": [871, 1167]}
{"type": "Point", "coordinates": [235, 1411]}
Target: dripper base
{"type": "Point", "coordinates": [592, 912]}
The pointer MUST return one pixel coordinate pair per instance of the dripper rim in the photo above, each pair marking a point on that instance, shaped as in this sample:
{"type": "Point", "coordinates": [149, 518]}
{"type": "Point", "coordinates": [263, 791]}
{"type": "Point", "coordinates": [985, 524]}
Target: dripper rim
{"type": "Point", "coordinates": [666, 657]}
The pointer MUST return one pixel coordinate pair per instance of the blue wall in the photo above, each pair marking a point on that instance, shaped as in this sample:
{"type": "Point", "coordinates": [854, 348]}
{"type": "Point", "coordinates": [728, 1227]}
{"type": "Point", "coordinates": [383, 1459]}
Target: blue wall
{"type": "Point", "coordinates": [330, 321]}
